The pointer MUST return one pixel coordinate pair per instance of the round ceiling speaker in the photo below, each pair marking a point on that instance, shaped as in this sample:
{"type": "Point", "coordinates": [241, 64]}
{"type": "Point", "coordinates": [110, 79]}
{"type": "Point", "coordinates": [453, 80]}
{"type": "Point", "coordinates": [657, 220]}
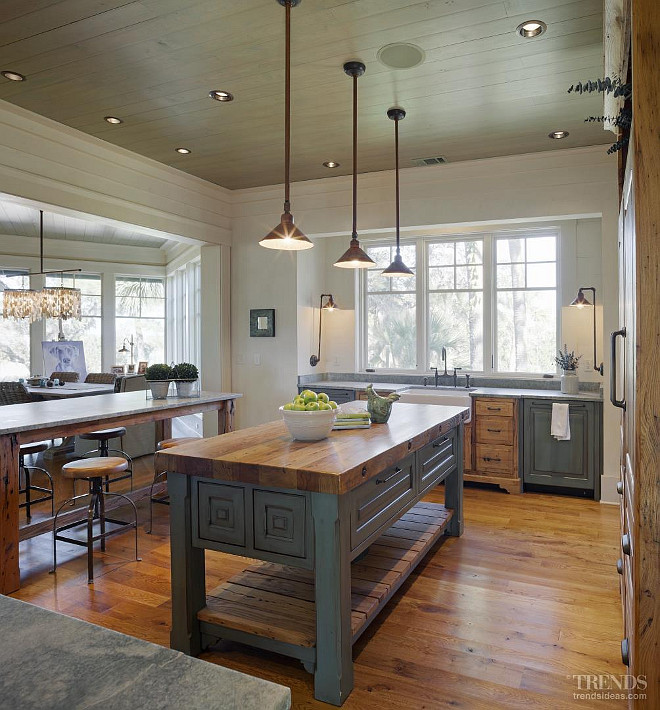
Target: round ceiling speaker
{"type": "Point", "coordinates": [401, 55]}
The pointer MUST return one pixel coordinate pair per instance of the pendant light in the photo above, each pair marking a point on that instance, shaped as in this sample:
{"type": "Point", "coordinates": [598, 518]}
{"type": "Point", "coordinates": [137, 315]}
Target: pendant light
{"type": "Point", "coordinates": [286, 235]}
{"type": "Point", "coordinates": [354, 257]}
{"type": "Point", "coordinates": [397, 267]}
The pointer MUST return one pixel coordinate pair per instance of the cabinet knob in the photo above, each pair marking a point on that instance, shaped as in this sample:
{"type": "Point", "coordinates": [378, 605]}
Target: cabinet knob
{"type": "Point", "coordinates": [619, 566]}
{"type": "Point", "coordinates": [625, 652]}
{"type": "Point", "coordinates": [625, 544]}
{"type": "Point", "coordinates": [619, 488]}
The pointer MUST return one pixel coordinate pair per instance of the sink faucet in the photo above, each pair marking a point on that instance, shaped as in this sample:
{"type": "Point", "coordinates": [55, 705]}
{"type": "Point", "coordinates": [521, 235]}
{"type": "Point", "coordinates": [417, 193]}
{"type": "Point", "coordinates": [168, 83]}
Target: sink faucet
{"type": "Point", "coordinates": [456, 369]}
{"type": "Point", "coordinates": [436, 376]}
{"type": "Point", "coordinates": [467, 381]}
{"type": "Point", "coordinates": [444, 359]}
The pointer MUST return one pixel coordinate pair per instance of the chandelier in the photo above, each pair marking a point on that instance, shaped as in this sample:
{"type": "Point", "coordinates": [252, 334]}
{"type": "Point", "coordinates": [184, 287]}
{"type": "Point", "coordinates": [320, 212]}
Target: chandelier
{"type": "Point", "coordinates": [51, 302]}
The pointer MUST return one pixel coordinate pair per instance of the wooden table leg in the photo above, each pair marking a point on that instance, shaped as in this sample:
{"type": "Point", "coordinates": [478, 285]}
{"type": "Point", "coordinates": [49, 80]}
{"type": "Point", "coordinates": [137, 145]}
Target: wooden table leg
{"type": "Point", "coordinates": [188, 568]}
{"type": "Point", "coordinates": [226, 416]}
{"type": "Point", "coordinates": [333, 678]}
{"type": "Point", "coordinates": [10, 579]}
{"type": "Point", "coordinates": [163, 430]}
{"type": "Point", "coordinates": [454, 489]}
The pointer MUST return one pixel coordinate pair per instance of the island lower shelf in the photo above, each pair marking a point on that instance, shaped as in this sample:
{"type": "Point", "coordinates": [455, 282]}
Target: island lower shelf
{"type": "Point", "coordinates": [276, 602]}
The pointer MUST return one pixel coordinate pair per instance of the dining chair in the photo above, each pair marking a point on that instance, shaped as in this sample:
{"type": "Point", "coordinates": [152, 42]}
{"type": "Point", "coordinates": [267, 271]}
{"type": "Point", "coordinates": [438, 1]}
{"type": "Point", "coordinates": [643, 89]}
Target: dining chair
{"type": "Point", "coordinates": [100, 378]}
{"type": "Point", "coordinates": [65, 376]}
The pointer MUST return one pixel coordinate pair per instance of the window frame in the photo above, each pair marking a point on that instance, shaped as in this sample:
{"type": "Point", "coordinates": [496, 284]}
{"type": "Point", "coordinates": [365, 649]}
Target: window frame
{"type": "Point", "coordinates": [489, 291]}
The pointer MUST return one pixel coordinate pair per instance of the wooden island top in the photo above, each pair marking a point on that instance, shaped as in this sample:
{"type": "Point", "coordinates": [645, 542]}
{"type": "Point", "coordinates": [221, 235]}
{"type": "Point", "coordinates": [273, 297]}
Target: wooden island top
{"type": "Point", "coordinates": [267, 455]}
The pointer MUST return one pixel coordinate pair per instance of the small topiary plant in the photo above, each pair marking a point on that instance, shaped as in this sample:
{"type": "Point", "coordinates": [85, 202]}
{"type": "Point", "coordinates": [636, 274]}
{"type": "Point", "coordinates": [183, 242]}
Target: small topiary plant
{"type": "Point", "coordinates": [159, 372]}
{"type": "Point", "coordinates": [185, 371]}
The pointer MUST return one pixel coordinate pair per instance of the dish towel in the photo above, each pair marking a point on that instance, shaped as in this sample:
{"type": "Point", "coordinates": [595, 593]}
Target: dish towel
{"type": "Point", "coordinates": [560, 427]}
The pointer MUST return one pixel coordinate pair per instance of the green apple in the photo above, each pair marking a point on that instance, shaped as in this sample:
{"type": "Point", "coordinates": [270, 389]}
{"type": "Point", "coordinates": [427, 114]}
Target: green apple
{"type": "Point", "coordinates": [298, 407]}
{"type": "Point", "coordinates": [333, 404]}
{"type": "Point", "coordinates": [299, 400]}
{"type": "Point", "coordinates": [324, 405]}
{"type": "Point", "coordinates": [288, 406]}
{"type": "Point", "coordinates": [305, 393]}
{"type": "Point", "coordinates": [311, 397]}
{"type": "Point", "coordinates": [323, 397]}
{"type": "Point", "coordinates": [312, 406]}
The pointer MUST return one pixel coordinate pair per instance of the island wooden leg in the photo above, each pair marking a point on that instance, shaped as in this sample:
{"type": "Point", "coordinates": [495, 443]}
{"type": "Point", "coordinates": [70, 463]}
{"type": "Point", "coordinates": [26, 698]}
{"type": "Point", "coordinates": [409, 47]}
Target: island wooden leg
{"type": "Point", "coordinates": [454, 489]}
{"type": "Point", "coordinates": [10, 579]}
{"type": "Point", "coordinates": [333, 678]}
{"type": "Point", "coordinates": [226, 416]}
{"type": "Point", "coordinates": [163, 430]}
{"type": "Point", "coordinates": [188, 569]}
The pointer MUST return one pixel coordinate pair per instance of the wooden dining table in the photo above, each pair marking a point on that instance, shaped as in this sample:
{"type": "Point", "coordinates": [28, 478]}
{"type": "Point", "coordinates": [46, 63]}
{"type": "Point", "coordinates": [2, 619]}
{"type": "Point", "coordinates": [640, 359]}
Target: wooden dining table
{"type": "Point", "coordinates": [70, 389]}
{"type": "Point", "coordinates": [51, 419]}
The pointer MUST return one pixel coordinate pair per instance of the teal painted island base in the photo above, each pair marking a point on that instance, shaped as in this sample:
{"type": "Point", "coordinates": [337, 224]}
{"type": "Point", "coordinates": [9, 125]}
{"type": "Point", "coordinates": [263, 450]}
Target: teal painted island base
{"type": "Point", "coordinates": [330, 560]}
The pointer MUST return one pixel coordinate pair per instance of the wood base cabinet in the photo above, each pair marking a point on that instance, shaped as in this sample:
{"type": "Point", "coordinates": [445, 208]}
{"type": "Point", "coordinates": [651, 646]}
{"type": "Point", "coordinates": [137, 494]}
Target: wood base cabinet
{"type": "Point", "coordinates": [493, 445]}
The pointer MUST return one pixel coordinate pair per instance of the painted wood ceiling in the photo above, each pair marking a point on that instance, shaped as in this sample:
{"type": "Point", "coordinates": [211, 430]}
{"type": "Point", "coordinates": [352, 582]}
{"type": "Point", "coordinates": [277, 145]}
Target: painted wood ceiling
{"type": "Point", "coordinates": [23, 221]}
{"type": "Point", "coordinates": [482, 90]}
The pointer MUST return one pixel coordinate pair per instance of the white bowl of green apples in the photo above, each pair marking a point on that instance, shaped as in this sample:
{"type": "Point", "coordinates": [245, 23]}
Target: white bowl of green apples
{"type": "Point", "coordinates": [310, 416]}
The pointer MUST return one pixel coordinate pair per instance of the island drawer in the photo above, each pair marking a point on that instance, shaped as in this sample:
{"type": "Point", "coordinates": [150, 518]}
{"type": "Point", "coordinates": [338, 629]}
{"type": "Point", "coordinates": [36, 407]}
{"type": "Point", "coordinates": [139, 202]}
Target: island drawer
{"type": "Point", "coordinates": [494, 430]}
{"type": "Point", "coordinates": [489, 406]}
{"type": "Point", "coordinates": [221, 513]}
{"type": "Point", "coordinates": [377, 500]}
{"type": "Point", "coordinates": [491, 457]}
{"type": "Point", "coordinates": [436, 460]}
{"type": "Point", "coordinates": [280, 523]}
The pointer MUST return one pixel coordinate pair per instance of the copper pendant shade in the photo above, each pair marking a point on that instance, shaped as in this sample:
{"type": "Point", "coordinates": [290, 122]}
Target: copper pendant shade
{"type": "Point", "coordinates": [397, 267]}
{"type": "Point", "coordinates": [354, 257]}
{"type": "Point", "coordinates": [286, 235]}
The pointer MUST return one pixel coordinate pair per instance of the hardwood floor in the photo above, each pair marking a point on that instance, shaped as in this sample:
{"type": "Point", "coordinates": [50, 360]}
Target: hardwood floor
{"type": "Point", "coordinates": [499, 618]}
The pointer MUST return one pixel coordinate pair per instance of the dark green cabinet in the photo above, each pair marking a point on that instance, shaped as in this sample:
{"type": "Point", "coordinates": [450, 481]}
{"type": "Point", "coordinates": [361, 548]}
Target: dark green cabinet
{"type": "Point", "coordinates": [575, 463]}
{"type": "Point", "coordinates": [336, 394]}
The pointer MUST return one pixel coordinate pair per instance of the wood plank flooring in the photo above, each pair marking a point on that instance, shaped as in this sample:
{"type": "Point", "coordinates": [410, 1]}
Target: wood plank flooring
{"type": "Point", "coordinates": [500, 618]}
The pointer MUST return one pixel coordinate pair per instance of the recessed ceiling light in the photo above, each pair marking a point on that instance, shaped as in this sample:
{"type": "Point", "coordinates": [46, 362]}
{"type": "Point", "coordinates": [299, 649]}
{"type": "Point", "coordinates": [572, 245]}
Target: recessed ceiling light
{"type": "Point", "coordinates": [401, 55]}
{"type": "Point", "coordinates": [531, 28]}
{"type": "Point", "coordinates": [113, 119]}
{"type": "Point", "coordinates": [13, 76]}
{"type": "Point", "coordinates": [331, 164]}
{"type": "Point", "coordinates": [183, 151]}
{"type": "Point", "coordinates": [557, 135]}
{"type": "Point", "coordinates": [221, 95]}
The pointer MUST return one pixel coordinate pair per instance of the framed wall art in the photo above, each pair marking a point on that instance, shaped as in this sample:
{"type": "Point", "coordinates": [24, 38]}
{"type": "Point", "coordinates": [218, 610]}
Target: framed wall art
{"type": "Point", "coordinates": [262, 322]}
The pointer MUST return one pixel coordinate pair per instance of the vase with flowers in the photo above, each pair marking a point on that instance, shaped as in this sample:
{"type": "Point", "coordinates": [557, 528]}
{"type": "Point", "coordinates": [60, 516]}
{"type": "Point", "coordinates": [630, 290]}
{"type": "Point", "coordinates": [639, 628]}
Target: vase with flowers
{"type": "Point", "coordinates": [568, 362]}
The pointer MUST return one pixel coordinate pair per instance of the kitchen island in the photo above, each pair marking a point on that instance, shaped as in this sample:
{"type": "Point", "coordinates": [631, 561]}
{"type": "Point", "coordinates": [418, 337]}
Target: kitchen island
{"type": "Point", "coordinates": [338, 525]}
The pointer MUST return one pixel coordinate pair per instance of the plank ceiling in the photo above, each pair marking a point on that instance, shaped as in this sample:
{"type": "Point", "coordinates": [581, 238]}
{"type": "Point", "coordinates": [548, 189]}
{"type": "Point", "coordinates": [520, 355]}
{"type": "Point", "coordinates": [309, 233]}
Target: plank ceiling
{"type": "Point", "coordinates": [483, 91]}
{"type": "Point", "coordinates": [22, 221]}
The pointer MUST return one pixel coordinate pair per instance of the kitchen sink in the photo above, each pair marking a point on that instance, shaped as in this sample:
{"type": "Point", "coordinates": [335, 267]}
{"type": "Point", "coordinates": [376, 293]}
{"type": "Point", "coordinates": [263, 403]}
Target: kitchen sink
{"type": "Point", "coordinates": [450, 396]}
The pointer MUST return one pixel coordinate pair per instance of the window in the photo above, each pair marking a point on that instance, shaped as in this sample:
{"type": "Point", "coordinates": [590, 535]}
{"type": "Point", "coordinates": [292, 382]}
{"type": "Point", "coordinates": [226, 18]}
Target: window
{"type": "Point", "coordinates": [15, 341]}
{"type": "Point", "coordinates": [184, 301]}
{"type": "Point", "coordinates": [489, 299]}
{"type": "Point", "coordinates": [391, 312]}
{"type": "Point", "coordinates": [140, 312]}
{"type": "Point", "coordinates": [88, 328]}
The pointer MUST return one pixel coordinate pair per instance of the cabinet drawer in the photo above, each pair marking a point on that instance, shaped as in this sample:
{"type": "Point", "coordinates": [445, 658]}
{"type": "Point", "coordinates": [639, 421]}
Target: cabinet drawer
{"type": "Point", "coordinates": [336, 395]}
{"type": "Point", "coordinates": [489, 406]}
{"type": "Point", "coordinates": [435, 460]}
{"type": "Point", "coordinates": [374, 502]}
{"type": "Point", "coordinates": [494, 430]}
{"type": "Point", "coordinates": [494, 458]}
{"type": "Point", "coordinates": [221, 513]}
{"type": "Point", "coordinates": [280, 523]}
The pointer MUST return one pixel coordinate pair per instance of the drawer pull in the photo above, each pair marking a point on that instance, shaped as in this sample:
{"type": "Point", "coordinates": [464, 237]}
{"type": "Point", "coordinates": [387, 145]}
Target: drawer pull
{"type": "Point", "coordinates": [397, 471]}
{"type": "Point", "coordinates": [619, 488]}
{"type": "Point", "coordinates": [619, 566]}
{"type": "Point", "coordinates": [625, 652]}
{"type": "Point", "coordinates": [494, 409]}
{"type": "Point", "coordinates": [491, 458]}
{"type": "Point", "coordinates": [494, 431]}
{"type": "Point", "coordinates": [438, 444]}
{"type": "Point", "coordinates": [625, 544]}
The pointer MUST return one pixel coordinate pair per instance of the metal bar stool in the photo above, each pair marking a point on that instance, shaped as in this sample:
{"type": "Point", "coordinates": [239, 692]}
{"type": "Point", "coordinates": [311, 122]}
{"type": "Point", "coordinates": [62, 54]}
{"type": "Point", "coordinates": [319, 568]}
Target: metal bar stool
{"type": "Point", "coordinates": [27, 471]}
{"type": "Point", "coordinates": [164, 499]}
{"type": "Point", "coordinates": [94, 470]}
{"type": "Point", "coordinates": [103, 436]}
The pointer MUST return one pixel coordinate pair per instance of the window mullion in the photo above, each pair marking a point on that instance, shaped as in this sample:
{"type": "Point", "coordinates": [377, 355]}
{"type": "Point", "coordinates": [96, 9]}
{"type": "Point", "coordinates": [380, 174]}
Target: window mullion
{"type": "Point", "coordinates": [490, 303]}
{"type": "Point", "coordinates": [421, 303]}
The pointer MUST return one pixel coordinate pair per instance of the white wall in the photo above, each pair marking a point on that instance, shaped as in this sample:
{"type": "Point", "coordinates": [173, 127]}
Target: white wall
{"type": "Point", "coordinates": [578, 184]}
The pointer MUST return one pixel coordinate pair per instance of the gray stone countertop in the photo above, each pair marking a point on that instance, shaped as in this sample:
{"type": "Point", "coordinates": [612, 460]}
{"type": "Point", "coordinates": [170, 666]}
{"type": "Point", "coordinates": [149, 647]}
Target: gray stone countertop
{"type": "Point", "coordinates": [353, 385]}
{"type": "Point", "coordinates": [523, 393]}
{"type": "Point", "coordinates": [72, 665]}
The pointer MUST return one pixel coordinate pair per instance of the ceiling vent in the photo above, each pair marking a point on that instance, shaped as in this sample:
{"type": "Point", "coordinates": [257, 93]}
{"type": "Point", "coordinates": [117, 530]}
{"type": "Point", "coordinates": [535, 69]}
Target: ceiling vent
{"type": "Point", "coordinates": [422, 162]}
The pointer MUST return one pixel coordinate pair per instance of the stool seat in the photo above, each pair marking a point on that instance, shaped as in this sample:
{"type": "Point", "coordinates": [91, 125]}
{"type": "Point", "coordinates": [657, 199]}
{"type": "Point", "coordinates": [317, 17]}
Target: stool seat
{"type": "Point", "coordinates": [96, 467]}
{"type": "Point", "coordinates": [177, 441]}
{"type": "Point", "coordinates": [104, 434]}
{"type": "Point", "coordinates": [35, 447]}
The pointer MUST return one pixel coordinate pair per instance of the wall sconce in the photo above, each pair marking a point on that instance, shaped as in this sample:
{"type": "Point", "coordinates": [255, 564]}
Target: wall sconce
{"type": "Point", "coordinates": [580, 301]}
{"type": "Point", "coordinates": [124, 349]}
{"type": "Point", "coordinates": [329, 305]}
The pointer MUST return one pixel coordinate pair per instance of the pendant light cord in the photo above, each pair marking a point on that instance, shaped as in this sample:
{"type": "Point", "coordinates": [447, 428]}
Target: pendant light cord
{"type": "Point", "coordinates": [355, 144]}
{"type": "Point", "coordinates": [287, 109]}
{"type": "Point", "coordinates": [396, 164]}
{"type": "Point", "coordinates": [41, 240]}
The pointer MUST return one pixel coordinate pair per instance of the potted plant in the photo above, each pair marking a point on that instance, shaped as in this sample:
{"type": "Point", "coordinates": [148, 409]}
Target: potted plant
{"type": "Point", "coordinates": [159, 377]}
{"type": "Point", "coordinates": [568, 362]}
{"type": "Point", "coordinates": [185, 375]}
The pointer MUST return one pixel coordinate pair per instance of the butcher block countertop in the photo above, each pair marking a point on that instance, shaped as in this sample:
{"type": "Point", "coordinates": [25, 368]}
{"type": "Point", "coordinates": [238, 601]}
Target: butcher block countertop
{"type": "Point", "coordinates": [266, 455]}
